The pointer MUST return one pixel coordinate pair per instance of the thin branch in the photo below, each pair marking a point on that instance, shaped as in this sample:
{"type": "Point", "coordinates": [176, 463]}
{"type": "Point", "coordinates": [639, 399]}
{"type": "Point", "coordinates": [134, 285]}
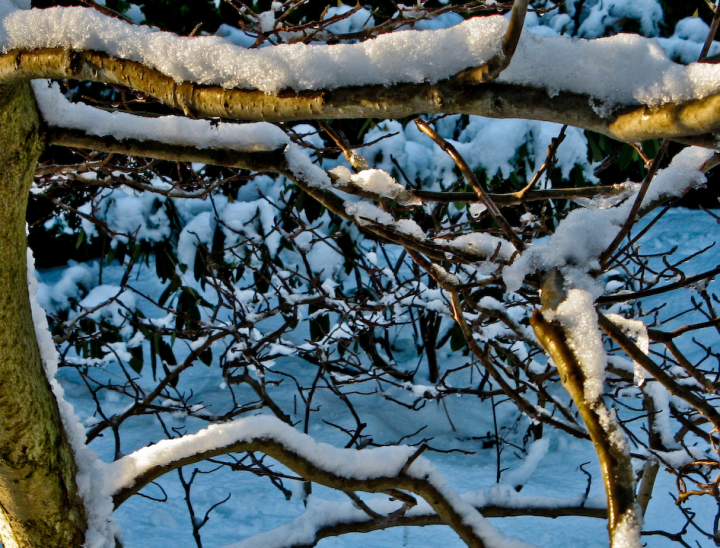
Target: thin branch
{"type": "Point", "coordinates": [624, 297]}
{"type": "Point", "coordinates": [675, 388]}
{"type": "Point", "coordinates": [492, 69]}
{"type": "Point", "coordinates": [711, 34]}
{"type": "Point", "coordinates": [107, 11]}
{"type": "Point", "coordinates": [630, 221]}
{"type": "Point", "coordinates": [516, 198]}
{"type": "Point", "coordinates": [664, 336]}
{"type": "Point", "coordinates": [552, 150]}
{"type": "Point", "coordinates": [470, 177]}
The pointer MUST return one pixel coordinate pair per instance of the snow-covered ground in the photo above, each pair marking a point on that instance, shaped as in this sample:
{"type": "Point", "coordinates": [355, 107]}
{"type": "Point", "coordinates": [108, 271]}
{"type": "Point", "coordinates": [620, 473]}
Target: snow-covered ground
{"type": "Point", "coordinates": [255, 505]}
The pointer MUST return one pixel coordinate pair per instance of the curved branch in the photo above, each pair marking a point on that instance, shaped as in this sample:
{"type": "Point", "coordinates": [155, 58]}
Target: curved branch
{"type": "Point", "coordinates": [369, 470]}
{"type": "Point", "coordinates": [691, 122]}
{"type": "Point", "coordinates": [605, 432]}
{"type": "Point", "coordinates": [322, 524]}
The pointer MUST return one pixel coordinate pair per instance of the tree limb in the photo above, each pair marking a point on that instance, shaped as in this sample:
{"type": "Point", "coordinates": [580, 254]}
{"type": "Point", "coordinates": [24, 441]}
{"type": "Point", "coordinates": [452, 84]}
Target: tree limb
{"type": "Point", "coordinates": [298, 452]}
{"type": "Point", "coordinates": [615, 462]}
{"type": "Point", "coordinates": [692, 122]}
{"type": "Point", "coordinates": [364, 525]}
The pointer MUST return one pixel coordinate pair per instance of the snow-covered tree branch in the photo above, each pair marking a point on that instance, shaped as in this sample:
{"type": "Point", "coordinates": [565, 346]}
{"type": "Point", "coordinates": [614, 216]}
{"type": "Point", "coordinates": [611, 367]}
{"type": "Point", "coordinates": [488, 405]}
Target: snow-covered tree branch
{"type": "Point", "coordinates": [438, 235]}
{"type": "Point", "coordinates": [552, 79]}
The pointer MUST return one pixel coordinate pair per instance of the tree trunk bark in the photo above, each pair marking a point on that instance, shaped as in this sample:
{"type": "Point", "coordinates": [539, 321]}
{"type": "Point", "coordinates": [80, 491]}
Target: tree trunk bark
{"type": "Point", "coordinates": [39, 502]}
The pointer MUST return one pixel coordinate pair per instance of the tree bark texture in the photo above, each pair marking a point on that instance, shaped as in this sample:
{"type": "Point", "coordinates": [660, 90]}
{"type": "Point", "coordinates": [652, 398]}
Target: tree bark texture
{"type": "Point", "coordinates": [39, 502]}
{"type": "Point", "coordinates": [692, 122]}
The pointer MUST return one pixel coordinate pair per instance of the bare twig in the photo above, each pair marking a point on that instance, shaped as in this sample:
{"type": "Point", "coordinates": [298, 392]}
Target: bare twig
{"type": "Point", "coordinates": [470, 177]}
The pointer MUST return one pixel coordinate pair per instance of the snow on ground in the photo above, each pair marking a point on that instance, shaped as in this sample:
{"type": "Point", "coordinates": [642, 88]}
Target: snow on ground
{"type": "Point", "coordinates": [256, 506]}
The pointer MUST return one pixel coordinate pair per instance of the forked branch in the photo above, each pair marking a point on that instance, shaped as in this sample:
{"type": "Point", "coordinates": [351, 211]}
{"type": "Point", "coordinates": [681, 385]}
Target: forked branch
{"type": "Point", "coordinates": [372, 471]}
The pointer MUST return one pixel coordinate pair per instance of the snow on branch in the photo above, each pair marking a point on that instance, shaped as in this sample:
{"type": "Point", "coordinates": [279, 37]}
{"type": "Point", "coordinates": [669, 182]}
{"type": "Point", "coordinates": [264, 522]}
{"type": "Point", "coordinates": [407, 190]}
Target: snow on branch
{"type": "Point", "coordinates": [567, 328]}
{"type": "Point", "coordinates": [57, 111]}
{"type": "Point", "coordinates": [575, 82]}
{"type": "Point", "coordinates": [585, 233]}
{"type": "Point", "coordinates": [323, 519]}
{"type": "Point", "coordinates": [369, 470]}
{"type": "Point", "coordinates": [623, 69]}
{"type": "Point", "coordinates": [210, 60]}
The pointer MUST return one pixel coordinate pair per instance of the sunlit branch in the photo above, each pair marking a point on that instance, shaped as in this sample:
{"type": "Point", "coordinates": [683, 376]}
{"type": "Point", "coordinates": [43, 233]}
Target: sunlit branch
{"type": "Point", "coordinates": [688, 122]}
{"type": "Point", "coordinates": [615, 462]}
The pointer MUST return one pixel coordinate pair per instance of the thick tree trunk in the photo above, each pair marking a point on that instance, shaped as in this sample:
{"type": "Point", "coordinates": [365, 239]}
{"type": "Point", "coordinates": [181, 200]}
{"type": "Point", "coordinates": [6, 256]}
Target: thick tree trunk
{"type": "Point", "coordinates": [39, 503]}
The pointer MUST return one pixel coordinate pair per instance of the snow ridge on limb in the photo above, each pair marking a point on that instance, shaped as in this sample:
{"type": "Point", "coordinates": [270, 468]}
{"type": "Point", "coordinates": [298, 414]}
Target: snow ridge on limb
{"type": "Point", "coordinates": [567, 327]}
{"type": "Point", "coordinates": [405, 56]}
{"type": "Point", "coordinates": [369, 470]}
{"type": "Point", "coordinates": [323, 518]}
{"type": "Point", "coordinates": [59, 112]}
{"type": "Point", "coordinates": [102, 527]}
{"type": "Point", "coordinates": [624, 69]}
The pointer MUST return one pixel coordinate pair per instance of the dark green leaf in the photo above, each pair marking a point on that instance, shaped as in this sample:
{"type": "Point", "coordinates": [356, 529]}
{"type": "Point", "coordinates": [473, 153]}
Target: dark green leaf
{"type": "Point", "coordinates": [136, 362]}
{"type": "Point", "coordinates": [457, 339]}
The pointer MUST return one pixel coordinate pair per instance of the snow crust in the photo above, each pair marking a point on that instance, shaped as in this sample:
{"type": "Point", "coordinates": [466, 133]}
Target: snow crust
{"type": "Point", "coordinates": [627, 531]}
{"type": "Point", "coordinates": [637, 330]}
{"type": "Point", "coordinates": [520, 475]}
{"type": "Point", "coordinates": [365, 211]}
{"type": "Point", "coordinates": [622, 69]}
{"type": "Point", "coordinates": [577, 314]}
{"type": "Point", "coordinates": [479, 243]}
{"type": "Point", "coordinates": [381, 183]}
